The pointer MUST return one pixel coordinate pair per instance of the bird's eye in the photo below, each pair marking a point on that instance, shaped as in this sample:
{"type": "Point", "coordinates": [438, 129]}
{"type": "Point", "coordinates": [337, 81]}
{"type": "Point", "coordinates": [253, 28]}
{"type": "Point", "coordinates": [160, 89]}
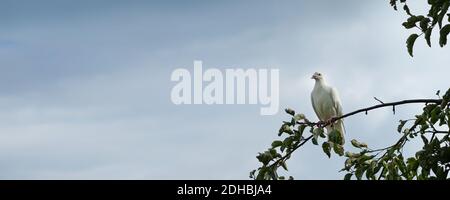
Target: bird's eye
{"type": "Point", "coordinates": [320, 74]}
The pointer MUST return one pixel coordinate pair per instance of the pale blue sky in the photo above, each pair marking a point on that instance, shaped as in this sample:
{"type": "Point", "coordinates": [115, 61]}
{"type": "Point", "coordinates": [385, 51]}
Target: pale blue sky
{"type": "Point", "coordinates": [85, 85]}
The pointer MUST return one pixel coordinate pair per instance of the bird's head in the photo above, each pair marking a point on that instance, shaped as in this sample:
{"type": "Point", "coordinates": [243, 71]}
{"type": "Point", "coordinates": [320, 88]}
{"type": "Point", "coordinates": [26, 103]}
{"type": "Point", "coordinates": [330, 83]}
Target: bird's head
{"type": "Point", "coordinates": [317, 76]}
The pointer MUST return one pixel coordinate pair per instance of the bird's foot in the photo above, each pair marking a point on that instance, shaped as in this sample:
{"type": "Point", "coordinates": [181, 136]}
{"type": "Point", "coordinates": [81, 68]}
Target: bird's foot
{"type": "Point", "coordinates": [330, 121]}
{"type": "Point", "coordinates": [321, 124]}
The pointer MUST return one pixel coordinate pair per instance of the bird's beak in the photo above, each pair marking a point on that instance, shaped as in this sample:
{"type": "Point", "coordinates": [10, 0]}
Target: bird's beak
{"type": "Point", "coordinates": [313, 77]}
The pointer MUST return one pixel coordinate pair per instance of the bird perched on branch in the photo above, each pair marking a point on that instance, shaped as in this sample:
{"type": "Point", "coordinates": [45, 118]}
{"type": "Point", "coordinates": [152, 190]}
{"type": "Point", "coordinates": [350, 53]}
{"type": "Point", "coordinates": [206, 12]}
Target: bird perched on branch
{"type": "Point", "coordinates": [327, 105]}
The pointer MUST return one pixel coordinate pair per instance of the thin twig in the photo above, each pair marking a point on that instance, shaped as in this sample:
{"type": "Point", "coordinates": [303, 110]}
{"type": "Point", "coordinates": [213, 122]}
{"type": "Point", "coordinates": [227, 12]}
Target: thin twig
{"type": "Point", "coordinates": [378, 100]}
{"type": "Point", "coordinates": [439, 132]}
{"type": "Point", "coordinates": [289, 153]}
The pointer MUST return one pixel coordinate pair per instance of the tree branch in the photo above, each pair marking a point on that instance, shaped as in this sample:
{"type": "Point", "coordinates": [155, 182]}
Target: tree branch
{"type": "Point", "coordinates": [393, 104]}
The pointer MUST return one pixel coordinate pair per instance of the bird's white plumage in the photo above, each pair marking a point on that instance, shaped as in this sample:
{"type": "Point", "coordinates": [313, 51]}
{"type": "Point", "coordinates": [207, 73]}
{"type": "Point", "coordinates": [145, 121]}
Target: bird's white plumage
{"type": "Point", "coordinates": [327, 104]}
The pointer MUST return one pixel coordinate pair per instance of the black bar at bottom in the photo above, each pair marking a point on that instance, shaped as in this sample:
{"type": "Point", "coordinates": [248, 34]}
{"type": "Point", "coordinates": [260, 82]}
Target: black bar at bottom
{"type": "Point", "coordinates": [190, 189]}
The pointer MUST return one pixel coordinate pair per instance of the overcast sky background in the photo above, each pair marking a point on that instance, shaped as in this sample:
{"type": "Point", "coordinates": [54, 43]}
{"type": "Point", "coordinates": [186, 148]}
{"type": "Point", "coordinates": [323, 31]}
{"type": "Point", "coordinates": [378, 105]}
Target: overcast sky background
{"type": "Point", "coordinates": [85, 85]}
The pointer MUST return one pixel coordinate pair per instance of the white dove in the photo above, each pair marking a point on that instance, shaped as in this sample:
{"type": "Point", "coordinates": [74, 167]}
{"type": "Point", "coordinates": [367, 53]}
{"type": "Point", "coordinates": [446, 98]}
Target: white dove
{"type": "Point", "coordinates": [327, 104]}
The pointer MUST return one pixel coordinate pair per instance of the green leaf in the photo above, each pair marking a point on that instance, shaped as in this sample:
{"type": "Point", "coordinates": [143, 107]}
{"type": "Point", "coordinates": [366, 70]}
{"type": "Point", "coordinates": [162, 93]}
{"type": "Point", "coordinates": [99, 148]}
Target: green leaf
{"type": "Point", "coordinates": [326, 148]}
{"type": "Point", "coordinates": [400, 126]}
{"type": "Point", "coordinates": [299, 117]}
{"type": "Point", "coordinates": [288, 141]}
{"type": "Point", "coordinates": [433, 12]}
{"type": "Point", "coordinates": [405, 7]}
{"type": "Point", "coordinates": [281, 131]}
{"type": "Point", "coordinates": [425, 172]}
{"type": "Point", "coordinates": [299, 132]}
{"type": "Point", "coordinates": [411, 21]}
{"type": "Point", "coordinates": [301, 128]}
{"type": "Point", "coordinates": [444, 10]}
{"type": "Point", "coordinates": [319, 132]}
{"type": "Point", "coordinates": [401, 165]}
{"type": "Point", "coordinates": [393, 4]}
{"type": "Point", "coordinates": [273, 175]}
{"type": "Point", "coordinates": [335, 137]}
{"type": "Point", "coordinates": [392, 168]}
{"type": "Point", "coordinates": [364, 157]}
{"type": "Point", "coordinates": [412, 164]}
{"type": "Point", "coordinates": [424, 127]}
{"type": "Point", "coordinates": [369, 173]}
{"type": "Point", "coordinates": [363, 145]}
{"type": "Point", "coordinates": [359, 172]}
{"type": "Point", "coordinates": [285, 129]}
{"type": "Point", "coordinates": [290, 111]}
{"type": "Point", "coordinates": [424, 139]}
{"type": "Point", "coordinates": [424, 23]}
{"type": "Point", "coordinates": [419, 154]}
{"type": "Point", "coordinates": [264, 157]}
{"type": "Point", "coordinates": [408, 25]}
{"type": "Point", "coordinates": [443, 35]}
{"type": "Point", "coordinates": [338, 149]}
{"type": "Point", "coordinates": [252, 174]}
{"type": "Point", "coordinates": [261, 173]}
{"type": "Point", "coordinates": [377, 168]}
{"type": "Point", "coordinates": [357, 144]}
{"type": "Point", "coordinates": [348, 176]}
{"type": "Point", "coordinates": [283, 164]}
{"type": "Point", "coordinates": [435, 114]}
{"type": "Point", "coordinates": [350, 154]}
{"type": "Point", "coordinates": [276, 143]}
{"type": "Point", "coordinates": [315, 136]}
{"type": "Point", "coordinates": [442, 119]}
{"type": "Point", "coordinates": [348, 163]}
{"type": "Point", "coordinates": [410, 43]}
{"type": "Point", "coordinates": [314, 141]}
{"type": "Point", "coordinates": [293, 121]}
{"type": "Point", "coordinates": [273, 153]}
{"type": "Point", "coordinates": [428, 36]}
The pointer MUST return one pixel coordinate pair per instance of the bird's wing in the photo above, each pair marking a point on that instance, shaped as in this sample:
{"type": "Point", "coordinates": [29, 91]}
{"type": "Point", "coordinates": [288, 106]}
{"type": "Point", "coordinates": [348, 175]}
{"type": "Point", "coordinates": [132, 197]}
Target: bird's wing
{"type": "Point", "coordinates": [336, 102]}
{"type": "Point", "coordinates": [316, 110]}
{"type": "Point", "coordinates": [337, 107]}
